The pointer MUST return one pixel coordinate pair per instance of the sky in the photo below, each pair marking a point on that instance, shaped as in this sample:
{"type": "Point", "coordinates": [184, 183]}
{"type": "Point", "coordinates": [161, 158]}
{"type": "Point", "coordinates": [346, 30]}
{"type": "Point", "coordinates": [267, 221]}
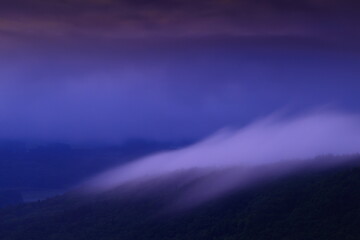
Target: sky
{"type": "Point", "coordinates": [105, 71]}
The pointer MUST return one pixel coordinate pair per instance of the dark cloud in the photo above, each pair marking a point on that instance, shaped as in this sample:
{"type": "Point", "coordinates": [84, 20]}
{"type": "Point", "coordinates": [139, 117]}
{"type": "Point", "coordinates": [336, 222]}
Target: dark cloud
{"type": "Point", "coordinates": [139, 18]}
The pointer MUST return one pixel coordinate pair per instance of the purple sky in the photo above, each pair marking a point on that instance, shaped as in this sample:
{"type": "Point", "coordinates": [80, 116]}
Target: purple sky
{"type": "Point", "coordinates": [108, 70]}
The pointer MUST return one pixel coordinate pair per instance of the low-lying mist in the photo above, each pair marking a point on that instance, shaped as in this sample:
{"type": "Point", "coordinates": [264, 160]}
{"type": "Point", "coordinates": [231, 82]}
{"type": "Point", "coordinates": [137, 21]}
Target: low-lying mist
{"type": "Point", "coordinates": [270, 147]}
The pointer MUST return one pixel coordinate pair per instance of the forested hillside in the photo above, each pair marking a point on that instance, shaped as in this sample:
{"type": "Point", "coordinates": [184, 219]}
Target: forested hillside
{"type": "Point", "coordinates": [308, 205]}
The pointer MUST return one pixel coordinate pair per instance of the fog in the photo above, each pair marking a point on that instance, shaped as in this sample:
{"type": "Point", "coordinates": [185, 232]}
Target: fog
{"type": "Point", "coordinates": [269, 147]}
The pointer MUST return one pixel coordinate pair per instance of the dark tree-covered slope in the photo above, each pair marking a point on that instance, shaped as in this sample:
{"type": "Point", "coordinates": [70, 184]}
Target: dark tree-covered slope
{"type": "Point", "coordinates": [308, 205]}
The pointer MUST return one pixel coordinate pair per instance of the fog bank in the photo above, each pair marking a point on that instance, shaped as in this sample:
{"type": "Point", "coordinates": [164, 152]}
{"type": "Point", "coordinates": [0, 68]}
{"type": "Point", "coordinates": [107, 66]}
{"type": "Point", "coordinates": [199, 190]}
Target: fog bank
{"type": "Point", "coordinates": [268, 147]}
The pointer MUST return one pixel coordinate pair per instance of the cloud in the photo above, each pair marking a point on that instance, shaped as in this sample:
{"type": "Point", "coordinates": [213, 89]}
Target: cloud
{"type": "Point", "coordinates": [269, 147]}
{"type": "Point", "coordinates": [175, 18]}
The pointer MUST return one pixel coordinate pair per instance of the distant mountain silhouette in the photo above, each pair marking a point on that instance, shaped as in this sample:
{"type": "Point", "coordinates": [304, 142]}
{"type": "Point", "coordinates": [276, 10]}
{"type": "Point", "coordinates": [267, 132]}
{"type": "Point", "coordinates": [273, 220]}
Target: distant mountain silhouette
{"type": "Point", "coordinates": [59, 166]}
{"type": "Point", "coordinates": [8, 198]}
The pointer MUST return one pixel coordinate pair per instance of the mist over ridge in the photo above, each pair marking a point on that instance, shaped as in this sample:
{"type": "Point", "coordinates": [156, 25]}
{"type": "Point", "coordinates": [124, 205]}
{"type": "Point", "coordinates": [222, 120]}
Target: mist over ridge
{"type": "Point", "coordinates": [267, 148]}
